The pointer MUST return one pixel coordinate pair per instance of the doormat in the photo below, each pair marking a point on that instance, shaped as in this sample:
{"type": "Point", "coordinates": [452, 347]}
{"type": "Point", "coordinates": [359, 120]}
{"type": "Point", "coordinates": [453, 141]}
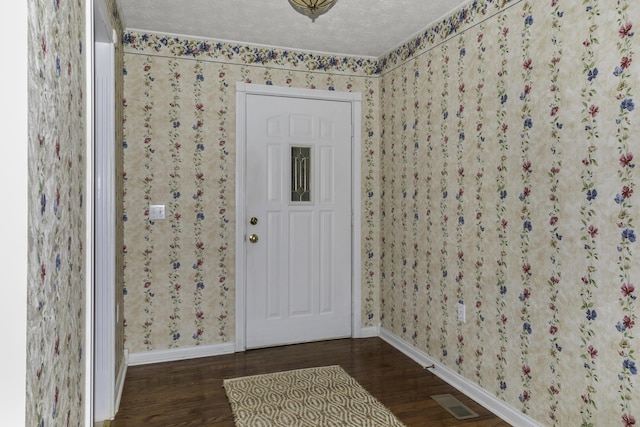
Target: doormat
{"type": "Point", "coordinates": [325, 396]}
{"type": "Point", "coordinates": [454, 406]}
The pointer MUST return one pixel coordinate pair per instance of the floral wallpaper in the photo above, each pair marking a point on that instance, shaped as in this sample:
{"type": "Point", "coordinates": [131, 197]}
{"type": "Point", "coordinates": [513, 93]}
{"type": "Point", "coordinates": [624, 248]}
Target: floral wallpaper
{"type": "Point", "coordinates": [498, 171]}
{"type": "Point", "coordinates": [56, 282]}
{"type": "Point", "coordinates": [179, 150]}
{"type": "Point", "coordinates": [57, 201]}
{"type": "Point", "coordinates": [507, 183]}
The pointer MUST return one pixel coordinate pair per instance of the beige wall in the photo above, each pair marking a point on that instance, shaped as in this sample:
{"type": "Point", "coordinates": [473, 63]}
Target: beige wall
{"type": "Point", "coordinates": [504, 171]}
{"type": "Point", "coordinates": [56, 348]}
{"type": "Point", "coordinates": [180, 151]}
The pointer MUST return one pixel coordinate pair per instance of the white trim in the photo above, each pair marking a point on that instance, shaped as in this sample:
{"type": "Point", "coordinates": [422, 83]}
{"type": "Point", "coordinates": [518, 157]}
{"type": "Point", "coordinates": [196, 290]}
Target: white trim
{"type": "Point", "coordinates": [241, 111]}
{"type": "Point", "coordinates": [356, 225]}
{"type": "Point", "coordinates": [161, 356]}
{"type": "Point", "coordinates": [294, 92]}
{"type": "Point", "coordinates": [122, 374]}
{"type": "Point", "coordinates": [369, 332]}
{"type": "Point", "coordinates": [470, 389]}
{"type": "Point", "coordinates": [104, 238]}
{"type": "Point", "coordinates": [242, 90]}
{"type": "Point", "coordinates": [14, 167]}
{"type": "Point", "coordinates": [89, 211]}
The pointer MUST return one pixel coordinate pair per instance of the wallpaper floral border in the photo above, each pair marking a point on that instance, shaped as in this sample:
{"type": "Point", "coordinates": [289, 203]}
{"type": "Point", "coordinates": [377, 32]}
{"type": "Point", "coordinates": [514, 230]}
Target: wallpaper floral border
{"type": "Point", "coordinates": [211, 50]}
{"type": "Point", "coordinates": [465, 16]}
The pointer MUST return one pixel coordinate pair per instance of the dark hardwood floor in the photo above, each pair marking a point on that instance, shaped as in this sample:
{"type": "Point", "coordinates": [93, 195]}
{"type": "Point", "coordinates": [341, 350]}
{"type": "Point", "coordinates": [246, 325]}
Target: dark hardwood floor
{"type": "Point", "coordinates": [190, 393]}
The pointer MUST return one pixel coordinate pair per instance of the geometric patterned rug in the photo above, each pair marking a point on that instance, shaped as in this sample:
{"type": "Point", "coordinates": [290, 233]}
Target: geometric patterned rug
{"type": "Point", "coordinates": [325, 396]}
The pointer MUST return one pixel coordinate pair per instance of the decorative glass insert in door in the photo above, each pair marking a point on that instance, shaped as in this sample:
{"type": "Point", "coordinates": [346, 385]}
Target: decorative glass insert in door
{"type": "Point", "coordinates": [300, 174]}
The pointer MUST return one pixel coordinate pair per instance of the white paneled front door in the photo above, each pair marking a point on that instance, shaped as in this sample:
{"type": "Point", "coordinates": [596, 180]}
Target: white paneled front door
{"type": "Point", "coordinates": [298, 220]}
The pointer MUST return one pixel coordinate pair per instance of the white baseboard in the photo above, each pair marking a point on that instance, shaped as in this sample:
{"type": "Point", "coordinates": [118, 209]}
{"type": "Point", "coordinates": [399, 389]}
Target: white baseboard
{"type": "Point", "coordinates": [120, 380]}
{"type": "Point", "coordinates": [473, 391]}
{"type": "Point", "coordinates": [159, 356]}
{"type": "Point", "coordinates": [369, 332]}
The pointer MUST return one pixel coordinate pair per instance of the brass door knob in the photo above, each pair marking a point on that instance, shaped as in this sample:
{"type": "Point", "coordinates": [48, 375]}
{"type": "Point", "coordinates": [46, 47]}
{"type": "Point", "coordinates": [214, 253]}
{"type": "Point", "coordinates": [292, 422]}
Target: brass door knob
{"type": "Point", "coordinates": [253, 238]}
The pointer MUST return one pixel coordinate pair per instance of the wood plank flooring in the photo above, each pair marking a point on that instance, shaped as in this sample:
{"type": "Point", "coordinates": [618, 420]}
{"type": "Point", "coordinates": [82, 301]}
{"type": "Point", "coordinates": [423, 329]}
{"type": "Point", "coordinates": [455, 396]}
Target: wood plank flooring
{"type": "Point", "coordinates": [190, 393]}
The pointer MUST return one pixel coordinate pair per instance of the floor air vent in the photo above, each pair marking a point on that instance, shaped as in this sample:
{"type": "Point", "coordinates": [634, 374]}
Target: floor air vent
{"type": "Point", "coordinates": [454, 406]}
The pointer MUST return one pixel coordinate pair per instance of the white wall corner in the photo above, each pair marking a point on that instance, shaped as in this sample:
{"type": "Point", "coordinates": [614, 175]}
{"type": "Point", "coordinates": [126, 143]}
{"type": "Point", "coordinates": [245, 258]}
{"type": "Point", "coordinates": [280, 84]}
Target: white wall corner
{"type": "Point", "coordinates": [470, 389]}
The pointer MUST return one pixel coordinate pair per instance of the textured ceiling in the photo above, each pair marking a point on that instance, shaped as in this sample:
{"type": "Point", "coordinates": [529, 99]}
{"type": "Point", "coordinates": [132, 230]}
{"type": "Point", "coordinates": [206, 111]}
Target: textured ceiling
{"type": "Point", "coordinates": [351, 27]}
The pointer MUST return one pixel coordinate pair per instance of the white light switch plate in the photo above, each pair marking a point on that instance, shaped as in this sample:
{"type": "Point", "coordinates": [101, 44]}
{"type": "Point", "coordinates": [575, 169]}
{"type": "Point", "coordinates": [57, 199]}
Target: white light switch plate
{"type": "Point", "coordinates": [462, 317]}
{"type": "Point", "coordinates": [156, 212]}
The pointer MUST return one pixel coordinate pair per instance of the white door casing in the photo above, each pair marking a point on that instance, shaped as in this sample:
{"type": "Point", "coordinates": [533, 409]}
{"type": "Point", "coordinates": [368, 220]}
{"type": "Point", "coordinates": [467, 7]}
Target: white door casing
{"type": "Point", "coordinates": [287, 283]}
{"type": "Point", "coordinates": [105, 387]}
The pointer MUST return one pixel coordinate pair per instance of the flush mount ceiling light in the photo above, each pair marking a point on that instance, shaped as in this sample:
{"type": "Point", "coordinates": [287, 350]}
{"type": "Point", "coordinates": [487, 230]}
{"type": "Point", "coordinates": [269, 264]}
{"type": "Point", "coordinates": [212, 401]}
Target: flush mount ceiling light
{"type": "Point", "coordinates": [312, 8]}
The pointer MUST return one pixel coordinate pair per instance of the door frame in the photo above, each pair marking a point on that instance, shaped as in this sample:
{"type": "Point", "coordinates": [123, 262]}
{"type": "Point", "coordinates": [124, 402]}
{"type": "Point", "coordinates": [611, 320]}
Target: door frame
{"type": "Point", "coordinates": [355, 98]}
{"type": "Point", "coordinates": [106, 384]}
